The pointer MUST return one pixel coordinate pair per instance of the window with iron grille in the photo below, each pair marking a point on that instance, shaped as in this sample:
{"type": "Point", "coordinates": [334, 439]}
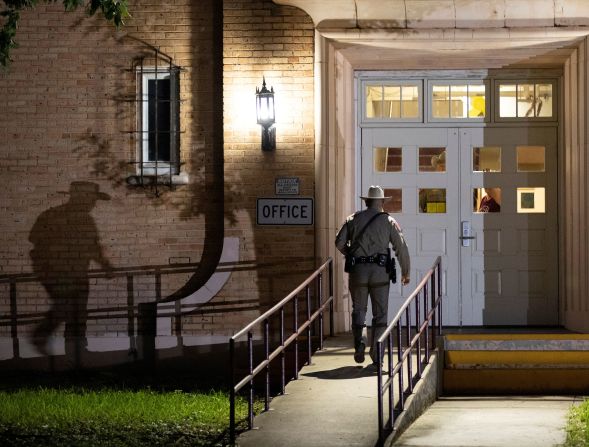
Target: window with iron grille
{"type": "Point", "coordinates": [158, 120]}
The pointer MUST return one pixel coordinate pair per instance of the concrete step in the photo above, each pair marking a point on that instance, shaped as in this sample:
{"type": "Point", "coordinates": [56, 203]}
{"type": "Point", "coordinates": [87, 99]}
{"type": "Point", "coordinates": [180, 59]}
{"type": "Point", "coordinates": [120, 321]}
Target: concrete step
{"type": "Point", "coordinates": [516, 363]}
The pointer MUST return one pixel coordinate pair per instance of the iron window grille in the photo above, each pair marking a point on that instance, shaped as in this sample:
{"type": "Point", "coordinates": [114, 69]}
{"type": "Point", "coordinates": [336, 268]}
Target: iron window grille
{"type": "Point", "coordinates": [158, 120]}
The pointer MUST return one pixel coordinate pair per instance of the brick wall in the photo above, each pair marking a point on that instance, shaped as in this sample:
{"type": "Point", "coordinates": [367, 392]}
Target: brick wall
{"type": "Point", "coordinates": [67, 116]}
{"type": "Point", "coordinates": [67, 112]}
{"type": "Point", "coordinates": [262, 39]}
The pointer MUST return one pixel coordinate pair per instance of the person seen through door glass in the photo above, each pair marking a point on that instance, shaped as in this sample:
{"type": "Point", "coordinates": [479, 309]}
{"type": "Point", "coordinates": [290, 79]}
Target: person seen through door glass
{"type": "Point", "coordinates": [491, 201]}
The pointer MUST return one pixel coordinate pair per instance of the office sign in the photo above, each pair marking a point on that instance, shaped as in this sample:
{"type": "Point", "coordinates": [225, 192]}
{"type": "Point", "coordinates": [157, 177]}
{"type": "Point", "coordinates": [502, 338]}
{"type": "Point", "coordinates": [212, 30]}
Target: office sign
{"type": "Point", "coordinates": [277, 211]}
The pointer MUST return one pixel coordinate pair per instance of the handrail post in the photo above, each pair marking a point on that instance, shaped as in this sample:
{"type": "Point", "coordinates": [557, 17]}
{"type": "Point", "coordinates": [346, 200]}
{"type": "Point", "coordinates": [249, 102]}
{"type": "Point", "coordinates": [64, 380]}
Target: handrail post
{"type": "Point", "coordinates": [296, 342]}
{"type": "Point", "coordinates": [400, 361]}
{"type": "Point", "coordinates": [330, 269]}
{"type": "Point", "coordinates": [232, 390]}
{"type": "Point", "coordinates": [434, 306]}
{"type": "Point", "coordinates": [417, 331]}
{"type": "Point", "coordinates": [391, 385]}
{"type": "Point", "coordinates": [319, 302]}
{"type": "Point", "coordinates": [409, 347]}
{"type": "Point", "coordinates": [439, 297]}
{"type": "Point", "coordinates": [309, 345]}
{"type": "Point", "coordinates": [267, 355]}
{"type": "Point", "coordinates": [250, 349]}
{"type": "Point", "coordinates": [331, 319]}
{"type": "Point", "coordinates": [426, 313]}
{"type": "Point", "coordinates": [282, 355]}
{"type": "Point", "coordinates": [379, 379]}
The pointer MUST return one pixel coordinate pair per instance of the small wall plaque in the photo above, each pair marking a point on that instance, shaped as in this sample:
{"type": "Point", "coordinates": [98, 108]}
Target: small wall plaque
{"type": "Point", "coordinates": [287, 186]}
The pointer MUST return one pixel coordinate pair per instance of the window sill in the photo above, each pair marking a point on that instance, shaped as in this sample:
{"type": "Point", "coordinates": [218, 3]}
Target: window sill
{"type": "Point", "coordinates": [151, 179]}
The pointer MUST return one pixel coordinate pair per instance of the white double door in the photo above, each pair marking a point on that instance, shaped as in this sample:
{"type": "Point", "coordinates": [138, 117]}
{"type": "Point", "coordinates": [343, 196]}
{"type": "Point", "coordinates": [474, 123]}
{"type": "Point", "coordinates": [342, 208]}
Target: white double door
{"type": "Point", "coordinates": [500, 267]}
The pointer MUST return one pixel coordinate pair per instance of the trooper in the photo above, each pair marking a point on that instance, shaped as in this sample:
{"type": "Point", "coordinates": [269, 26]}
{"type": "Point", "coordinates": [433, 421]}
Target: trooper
{"type": "Point", "coordinates": [364, 239]}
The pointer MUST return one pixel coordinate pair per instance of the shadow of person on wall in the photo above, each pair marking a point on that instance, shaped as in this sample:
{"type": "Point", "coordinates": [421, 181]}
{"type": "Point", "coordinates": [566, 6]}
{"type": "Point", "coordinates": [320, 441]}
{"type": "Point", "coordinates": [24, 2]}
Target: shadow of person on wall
{"type": "Point", "coordinates": [65, 240]}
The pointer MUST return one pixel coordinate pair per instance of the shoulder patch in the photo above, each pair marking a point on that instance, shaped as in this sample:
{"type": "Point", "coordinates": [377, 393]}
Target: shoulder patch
{"type": "Point", "coordinates": [395, 224]}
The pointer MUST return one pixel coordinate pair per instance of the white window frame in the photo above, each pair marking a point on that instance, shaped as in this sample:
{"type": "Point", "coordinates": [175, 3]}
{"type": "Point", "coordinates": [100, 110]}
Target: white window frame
{"type": "Point", "coordinates": [497, 99]}
{"type": "Point", "coordinates": [451, 82]}
{"type": "Point", "coordinates": [388, 83]}
{"type": "Point", "coordinates": [163, 167]}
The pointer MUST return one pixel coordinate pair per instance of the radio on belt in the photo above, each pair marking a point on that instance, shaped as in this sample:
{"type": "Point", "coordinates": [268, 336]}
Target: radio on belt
{"type": "Point", "coordinates": [275, 211]}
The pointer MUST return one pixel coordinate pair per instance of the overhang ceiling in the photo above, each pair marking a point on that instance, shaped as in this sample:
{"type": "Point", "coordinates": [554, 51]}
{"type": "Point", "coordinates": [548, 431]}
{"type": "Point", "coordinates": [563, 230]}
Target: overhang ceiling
{"type": "Point", "coordinates": [454, 34]}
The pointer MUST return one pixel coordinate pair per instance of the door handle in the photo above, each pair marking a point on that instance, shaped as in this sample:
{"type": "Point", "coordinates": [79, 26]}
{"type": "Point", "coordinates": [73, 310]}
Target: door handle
{"type": "Point", "coordinates": [465, 233]}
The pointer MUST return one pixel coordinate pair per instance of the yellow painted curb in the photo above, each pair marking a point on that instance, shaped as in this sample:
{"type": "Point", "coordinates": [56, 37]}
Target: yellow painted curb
{"type": "Point", "coordinates": [465, 337]}
{"type": "Point", "coordinates": [516, 358]}
{"type": "Point", "coordinates": [536, 381]}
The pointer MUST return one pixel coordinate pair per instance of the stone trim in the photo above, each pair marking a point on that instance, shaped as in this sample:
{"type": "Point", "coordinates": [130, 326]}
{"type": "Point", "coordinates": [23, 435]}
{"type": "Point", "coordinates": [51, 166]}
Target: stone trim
{"type": "Point", "coordinates": [416, 14]}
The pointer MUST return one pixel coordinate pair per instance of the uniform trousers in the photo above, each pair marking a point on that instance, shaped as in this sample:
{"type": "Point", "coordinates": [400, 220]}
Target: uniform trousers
{"type": "Point", "coordinates": [369, 280]}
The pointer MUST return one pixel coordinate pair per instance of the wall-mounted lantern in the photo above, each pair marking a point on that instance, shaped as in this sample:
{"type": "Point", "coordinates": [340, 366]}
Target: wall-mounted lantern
{"type": "Point", "coordinates": [265, 115]}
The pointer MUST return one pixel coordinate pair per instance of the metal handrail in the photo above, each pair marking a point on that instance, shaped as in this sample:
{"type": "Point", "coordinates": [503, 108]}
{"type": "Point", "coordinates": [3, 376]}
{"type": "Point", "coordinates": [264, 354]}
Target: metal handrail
{"type": "Point", "coordinates": [264, 320]}
{"type": "Point", "coordinates": [430, 290]}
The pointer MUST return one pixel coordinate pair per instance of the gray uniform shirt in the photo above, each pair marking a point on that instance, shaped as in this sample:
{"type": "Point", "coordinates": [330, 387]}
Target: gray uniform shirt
{"type": "Point", "coordinates": [382, 231]}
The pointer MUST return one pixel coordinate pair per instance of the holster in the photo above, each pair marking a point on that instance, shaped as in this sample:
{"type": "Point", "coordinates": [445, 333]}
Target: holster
{"type": "Point", "coordinates": [391, 267]}
{"type": "Point", "coordinates": [350, 263]}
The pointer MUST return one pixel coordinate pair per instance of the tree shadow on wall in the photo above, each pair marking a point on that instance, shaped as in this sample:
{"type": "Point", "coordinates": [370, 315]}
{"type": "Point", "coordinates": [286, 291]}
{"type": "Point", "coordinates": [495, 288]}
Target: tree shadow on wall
{"type": "Point", "coordinates": [208, 193]}
{"type": "Point", "coordinates": [66, 241]}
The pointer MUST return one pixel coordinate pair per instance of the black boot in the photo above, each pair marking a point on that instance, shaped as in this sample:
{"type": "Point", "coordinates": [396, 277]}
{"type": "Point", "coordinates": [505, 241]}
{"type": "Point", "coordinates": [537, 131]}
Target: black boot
{"type": "Point", "coordinates": [359, 344]}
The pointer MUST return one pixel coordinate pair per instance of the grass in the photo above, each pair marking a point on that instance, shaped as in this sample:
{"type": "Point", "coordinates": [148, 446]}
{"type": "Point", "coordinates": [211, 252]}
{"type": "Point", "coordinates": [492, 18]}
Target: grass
{"type": "Point", "coordinates": [81, 417]}
{"type": "Point", "coordinates": [578, 426]}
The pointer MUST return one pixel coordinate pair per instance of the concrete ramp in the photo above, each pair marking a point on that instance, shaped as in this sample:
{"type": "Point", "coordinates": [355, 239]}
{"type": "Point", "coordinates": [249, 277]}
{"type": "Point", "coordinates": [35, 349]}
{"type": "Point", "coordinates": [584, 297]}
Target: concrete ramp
{"type": "Point", "coordinates": [333, 403]}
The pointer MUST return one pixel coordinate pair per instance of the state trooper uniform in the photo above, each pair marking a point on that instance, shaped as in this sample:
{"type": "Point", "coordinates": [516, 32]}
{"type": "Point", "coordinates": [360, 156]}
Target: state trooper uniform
{"type": "Point", "coordinates": [367, 276]}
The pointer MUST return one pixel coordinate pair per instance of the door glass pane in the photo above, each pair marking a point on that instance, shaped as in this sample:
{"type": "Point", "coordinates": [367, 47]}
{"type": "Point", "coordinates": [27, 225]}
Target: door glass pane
{"type": "Point", "coordinates": [388, 159]}
{"type": "Point", "coordinates": [373, 101]}
{"type": "Point", "coordinates": [395, 203]}
{"type": "Point", "coordinates": [530, 158]}
{"type": "Point", "coordinates": [410, 98]}
{"type": "Point", "coordinates": [486, 159]}
{"type": "Point", "coordinates": [476, 101]}
{"type": "Point", "coordinates": [525, 101]}
{"type": "Point", "coordinates": [486, 200]}
{"type": "Point", "coordinates": [441, 101]}
{"type": "Point", "coordinates": [507, 101]}
{"type": "Point", "coordinates": [459, 98]}
{"type": "Point", "coordinates": [432, 159]}
{"type": "Point", "coordinates": [544, 100]}
{"type": "Point", "coordinates": [531, 200]}
{"type": "Point", "coordinates": [392, 102]}
{"type": "Point", "coordinates": [432, 200]}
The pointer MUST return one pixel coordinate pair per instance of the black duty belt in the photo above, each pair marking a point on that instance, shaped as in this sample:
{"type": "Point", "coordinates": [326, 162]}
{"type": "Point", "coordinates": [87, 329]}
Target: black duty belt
{"type": "Point", "coordinates": [380, 259]}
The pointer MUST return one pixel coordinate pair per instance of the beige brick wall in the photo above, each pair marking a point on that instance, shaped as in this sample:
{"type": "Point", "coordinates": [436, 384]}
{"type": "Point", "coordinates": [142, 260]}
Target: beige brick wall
{"type": "Point", "coordinates": [262, 39]}
{"type": "Point", "coordinates": [66, 117]}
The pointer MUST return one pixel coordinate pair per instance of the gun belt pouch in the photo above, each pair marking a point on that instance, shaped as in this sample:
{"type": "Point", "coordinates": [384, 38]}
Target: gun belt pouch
{"type": "Point", "coordinates": [350, 263]}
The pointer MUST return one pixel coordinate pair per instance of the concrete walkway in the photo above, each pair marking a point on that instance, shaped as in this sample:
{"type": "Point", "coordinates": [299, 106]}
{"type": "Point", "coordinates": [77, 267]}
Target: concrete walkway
{"type": "Point", "coordinates": [334, 404]}
{"type": "Point", "coordinates": [493, 421]}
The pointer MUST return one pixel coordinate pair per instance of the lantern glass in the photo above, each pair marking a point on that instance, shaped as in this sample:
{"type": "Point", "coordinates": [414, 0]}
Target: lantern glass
{"type": "Point", "coordinates": [265, 105]}
{"type": "Point", "coordinates": [265, 109]}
